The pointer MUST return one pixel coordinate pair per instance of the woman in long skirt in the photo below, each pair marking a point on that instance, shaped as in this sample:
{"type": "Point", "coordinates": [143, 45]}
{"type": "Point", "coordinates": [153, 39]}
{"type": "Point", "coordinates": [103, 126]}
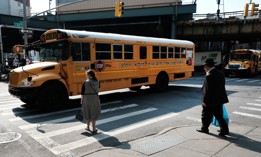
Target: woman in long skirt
{"type": "Point", "coordinates": [90, 101]}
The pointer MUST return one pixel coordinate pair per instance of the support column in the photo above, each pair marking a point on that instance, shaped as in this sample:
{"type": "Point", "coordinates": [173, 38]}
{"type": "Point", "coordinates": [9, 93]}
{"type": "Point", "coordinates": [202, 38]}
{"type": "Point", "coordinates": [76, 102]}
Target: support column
{"type": "Point", "coordinates": [173, 27]}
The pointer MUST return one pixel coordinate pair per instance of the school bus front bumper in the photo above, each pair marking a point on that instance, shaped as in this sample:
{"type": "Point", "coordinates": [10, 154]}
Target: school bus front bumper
{"type": "Point", "coordinates": [22, 92]}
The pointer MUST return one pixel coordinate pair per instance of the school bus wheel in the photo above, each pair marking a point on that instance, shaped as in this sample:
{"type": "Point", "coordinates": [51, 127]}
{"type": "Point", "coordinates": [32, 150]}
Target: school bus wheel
{"type": "Point", "coordinates": [162, 82]}
{"type": "Point", "coordinates": [53, 94]}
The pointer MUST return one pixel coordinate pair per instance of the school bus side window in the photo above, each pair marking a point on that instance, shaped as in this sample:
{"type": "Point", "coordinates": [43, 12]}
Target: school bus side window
{"type": "Point", "coordinates": [177, 52]}
{"type": "Point", "coordinates": [170, 52]}
{"type": "Point", "coordinates": [76, 51]}
{"type": "Point", "coordinates": [163, 53]}
{"type": "Point", "coordinates": [86, 52]}
{"type": "Point", "coordinates": [155, 52]}
{"type": "Point", "coordinates": [128, 51]}
{"type": "Point", "coordinates": [143, 52]}
{"type": "Point", "coordinates": [103, 51]}
{"type": "Point", "coordinates": [117, 51]}
{"type": "Point", "coordinates": [183, 52]}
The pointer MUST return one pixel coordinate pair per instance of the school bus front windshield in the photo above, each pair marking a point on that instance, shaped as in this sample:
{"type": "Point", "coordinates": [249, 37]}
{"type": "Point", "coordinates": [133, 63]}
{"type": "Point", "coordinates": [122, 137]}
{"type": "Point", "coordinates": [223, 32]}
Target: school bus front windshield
{"type": "Point", "coordinates": [240, 56]}
{"type": "Point", "coordinates": [54, 51]}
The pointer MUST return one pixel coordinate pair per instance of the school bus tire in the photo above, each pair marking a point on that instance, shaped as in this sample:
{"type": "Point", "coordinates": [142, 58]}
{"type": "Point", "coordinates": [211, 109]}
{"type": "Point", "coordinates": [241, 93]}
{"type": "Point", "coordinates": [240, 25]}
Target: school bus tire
{"type": "Point", "coordinates": [162, 82]}
{"type": "Point", "coordinates": [53, 94]}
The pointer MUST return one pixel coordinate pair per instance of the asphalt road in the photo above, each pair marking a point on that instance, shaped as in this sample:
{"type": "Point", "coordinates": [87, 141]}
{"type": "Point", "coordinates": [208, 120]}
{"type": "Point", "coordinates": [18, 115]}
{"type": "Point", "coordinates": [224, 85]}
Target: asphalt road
{"type": "Point", "coordinates": [126, 116]}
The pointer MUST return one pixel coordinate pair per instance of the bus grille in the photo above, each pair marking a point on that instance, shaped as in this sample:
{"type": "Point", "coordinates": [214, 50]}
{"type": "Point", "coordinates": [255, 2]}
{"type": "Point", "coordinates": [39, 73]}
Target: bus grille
{"type": "Point", "coordinates": [234, 66]}
{"type": "Point", "coordinates": [13, 78]}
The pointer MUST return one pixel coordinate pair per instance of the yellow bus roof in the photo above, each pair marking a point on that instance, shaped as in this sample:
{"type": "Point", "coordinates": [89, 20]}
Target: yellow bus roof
{"type": "Point", "coordinates": [247, 50]}
{"type": "Point", "coordinates": [112, 36]}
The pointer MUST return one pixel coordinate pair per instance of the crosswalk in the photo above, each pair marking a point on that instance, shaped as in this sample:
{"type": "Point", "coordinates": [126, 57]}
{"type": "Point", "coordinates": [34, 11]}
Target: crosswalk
{"type": "Point", "coordinates": [46, 128]}
{"type": "Point", "coordinates": [252, 109]}
{"type": "Point", "coordinates": [254, 81]}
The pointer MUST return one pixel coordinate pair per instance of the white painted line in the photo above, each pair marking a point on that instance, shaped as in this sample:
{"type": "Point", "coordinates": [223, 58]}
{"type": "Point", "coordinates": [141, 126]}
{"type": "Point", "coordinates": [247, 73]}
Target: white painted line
{"type": "Point", "coordinates": [42, 115]}
{"type": "Point", "coordinates": [258, 100]}
{"type": "Point", "coordinates": [11, 107]}
{"type": "Point", "coordinates": [231, 79]}
{"type": "Point", "coordinates": [253, 81]}
{"type": "Point", "coordinates": [110, 103]}
{"type": "Point", "coordinates": [250, 108]}
{"type": "Point", "coordinates": [194, 119]}
{"type": "Point", "coordinates": [70, 110]}
{"type": "Point", "coordinates": [254, 104]}
{"type": "Point", "coordinates": [119, 108]}
{"type": "Point", "coordinates": [87, 141]}
{"type": "Point", "coordinates": [247, 115]}
{"type": "Point", "coordinates": [9, 100]}
{"type": "Point", "coordinates": [38, 135]}
{"type": "Point", "coordinates": [29, 126]}
{"type": "Point", "coordinates": [16, 112]}
{"type": "Point", "coordinates": [241, 80]}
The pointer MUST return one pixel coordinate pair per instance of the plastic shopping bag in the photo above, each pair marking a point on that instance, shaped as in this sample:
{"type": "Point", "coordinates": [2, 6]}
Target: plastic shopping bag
{"type": "Point", "coordinates": [225, 116]}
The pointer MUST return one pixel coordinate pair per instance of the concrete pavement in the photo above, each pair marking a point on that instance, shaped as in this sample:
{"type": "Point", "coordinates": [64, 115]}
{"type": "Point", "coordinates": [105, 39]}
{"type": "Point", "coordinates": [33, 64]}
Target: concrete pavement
{"type": "Point", "coordinates": [185, 141]}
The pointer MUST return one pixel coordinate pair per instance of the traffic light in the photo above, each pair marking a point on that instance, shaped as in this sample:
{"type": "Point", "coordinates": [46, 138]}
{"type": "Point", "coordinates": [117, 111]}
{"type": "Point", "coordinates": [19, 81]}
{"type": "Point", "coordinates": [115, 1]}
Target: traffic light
{"type": "Point", "coordinates": [254, 10]}
{"type": "Point", "coordinates": [119, 8]}
{"type": "Point", "coordinates": [18, 49]}
{"type": "Point", "coordinates": [246, 10]}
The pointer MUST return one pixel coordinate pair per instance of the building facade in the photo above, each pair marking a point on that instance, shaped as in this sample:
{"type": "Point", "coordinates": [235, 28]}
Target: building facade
{"type": "Point", "coordinates": [14, 7]}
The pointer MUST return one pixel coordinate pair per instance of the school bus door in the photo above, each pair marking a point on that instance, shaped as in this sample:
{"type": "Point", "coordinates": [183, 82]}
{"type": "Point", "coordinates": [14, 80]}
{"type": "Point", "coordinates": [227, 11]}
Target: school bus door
{"type": "Point", "coordinates": [142, 62]}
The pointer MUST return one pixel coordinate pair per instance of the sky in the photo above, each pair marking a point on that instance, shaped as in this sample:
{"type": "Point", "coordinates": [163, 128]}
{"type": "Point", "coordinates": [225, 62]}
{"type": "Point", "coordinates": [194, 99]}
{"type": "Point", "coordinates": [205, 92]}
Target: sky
{"type": "Point", "coordinates": [203, 6]}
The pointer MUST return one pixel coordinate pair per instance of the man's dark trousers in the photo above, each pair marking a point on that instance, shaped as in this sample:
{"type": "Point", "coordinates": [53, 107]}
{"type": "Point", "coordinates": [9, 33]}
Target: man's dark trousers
{"type": "Point", "coordinates": [207, 116]}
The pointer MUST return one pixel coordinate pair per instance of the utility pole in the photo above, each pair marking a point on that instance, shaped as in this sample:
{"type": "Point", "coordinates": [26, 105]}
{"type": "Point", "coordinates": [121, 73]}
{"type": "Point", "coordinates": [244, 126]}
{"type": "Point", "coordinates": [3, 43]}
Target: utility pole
{"type": "Point", "coordinates": [25, 25]}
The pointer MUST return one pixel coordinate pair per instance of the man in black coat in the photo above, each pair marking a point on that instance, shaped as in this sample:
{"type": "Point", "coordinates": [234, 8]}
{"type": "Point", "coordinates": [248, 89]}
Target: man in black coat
{"type": "Point", "coordinates": [213, 97]}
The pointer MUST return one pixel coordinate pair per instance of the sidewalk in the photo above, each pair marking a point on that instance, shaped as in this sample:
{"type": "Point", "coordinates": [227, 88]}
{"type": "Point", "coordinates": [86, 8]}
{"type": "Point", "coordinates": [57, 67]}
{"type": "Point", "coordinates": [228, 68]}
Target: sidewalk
{"type": "Point", "coordinates": [187, 142]}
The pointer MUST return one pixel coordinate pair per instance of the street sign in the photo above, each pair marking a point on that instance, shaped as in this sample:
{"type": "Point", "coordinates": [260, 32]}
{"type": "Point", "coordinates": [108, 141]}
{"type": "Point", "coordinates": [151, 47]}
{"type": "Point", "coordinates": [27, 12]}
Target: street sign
{"type": "Point", "coordinates": [19, 24]}
{"type": "Point", "coordinates": [28, 31]}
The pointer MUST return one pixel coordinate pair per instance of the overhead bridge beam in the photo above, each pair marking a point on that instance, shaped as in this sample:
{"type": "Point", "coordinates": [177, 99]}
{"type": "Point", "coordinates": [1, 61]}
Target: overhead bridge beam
{"type": "Point", "coordinates": [220, 30]}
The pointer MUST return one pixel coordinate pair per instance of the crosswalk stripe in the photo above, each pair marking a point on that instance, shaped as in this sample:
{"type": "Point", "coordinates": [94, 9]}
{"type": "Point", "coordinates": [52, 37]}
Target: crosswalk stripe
{"type": "Point", "coordinates": [87, 141]}
{"type": "Point", "coordinates": [69, 110]}
{"type": "Point", "coordinates": [258, 100]}
{"type": "Point", "coordinates": [11, 107]}
{"type": "Point", "coordinates": [247, 114]}
{"type": "Point", "coordinates": [16, 112]}
{"type": "Point", "coordinates": [250, 108]}
{"type": "Point", "coordinates": [194, 119]}
{"type": "Point", "coordinates": [37, 125]}
{"type": "Point", "coordinates": [231, 79]}
{"type": "Point", "coordinates": [42, 115]}
{"type": "Point", "coordinates": [254, 104]}
{"type": "Point", "coordinates": [241, 80]}
{"type": "Point", "coordinates": [38, 135]}
{"type": "Point", "coordinates": [253, 81]}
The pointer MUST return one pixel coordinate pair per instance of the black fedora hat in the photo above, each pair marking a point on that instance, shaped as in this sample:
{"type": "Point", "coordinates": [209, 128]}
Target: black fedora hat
{"type": "Point", "coordinates": [210, 62]}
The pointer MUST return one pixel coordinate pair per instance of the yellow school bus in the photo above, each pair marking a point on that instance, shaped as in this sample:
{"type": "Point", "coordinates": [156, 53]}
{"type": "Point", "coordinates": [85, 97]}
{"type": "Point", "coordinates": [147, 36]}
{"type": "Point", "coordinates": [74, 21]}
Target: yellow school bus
{"type": "Point", "coordinates": [119, 61]}
{"type": "Point", "coordinates": [244, 62]}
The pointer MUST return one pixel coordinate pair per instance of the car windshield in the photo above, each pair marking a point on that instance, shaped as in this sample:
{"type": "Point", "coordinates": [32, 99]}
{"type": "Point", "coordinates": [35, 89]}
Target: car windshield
{"type": "Point", "coordinates": [240, 56]}
{"type": "Point", "coordinates": [54, 51]}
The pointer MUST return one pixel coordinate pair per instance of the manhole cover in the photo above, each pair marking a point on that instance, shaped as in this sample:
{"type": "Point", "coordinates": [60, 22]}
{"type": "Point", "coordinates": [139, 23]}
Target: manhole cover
{"type": "Point", "coordinates": [9, 137]}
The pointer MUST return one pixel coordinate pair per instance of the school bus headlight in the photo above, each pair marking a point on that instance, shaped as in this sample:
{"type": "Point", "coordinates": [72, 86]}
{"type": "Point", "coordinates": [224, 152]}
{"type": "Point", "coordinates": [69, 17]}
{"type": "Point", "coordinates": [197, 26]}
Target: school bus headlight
{"type": "Point", "coordinates": [27, 84]}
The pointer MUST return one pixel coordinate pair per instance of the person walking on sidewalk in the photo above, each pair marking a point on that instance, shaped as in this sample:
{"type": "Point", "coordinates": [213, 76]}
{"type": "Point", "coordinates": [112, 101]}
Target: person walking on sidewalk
{"type": "Point", "coordinates": [91, 108]}
{"type": "Point", "coordinates": [213, 97]}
